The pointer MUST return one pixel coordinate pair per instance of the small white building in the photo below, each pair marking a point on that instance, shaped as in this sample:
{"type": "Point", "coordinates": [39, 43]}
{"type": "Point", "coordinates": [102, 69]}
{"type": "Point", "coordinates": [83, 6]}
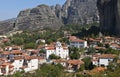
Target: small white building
{"type": "Point", "coordinates": [103, 60]}
{"type": "Point", "coordinates": [75, 42]}
{"type": "Point", "coordinates": [31, 63]}
{"type": "Point", "coordinates": [18, 63]}
{"type": "Point", "coordinates": [57, 49]}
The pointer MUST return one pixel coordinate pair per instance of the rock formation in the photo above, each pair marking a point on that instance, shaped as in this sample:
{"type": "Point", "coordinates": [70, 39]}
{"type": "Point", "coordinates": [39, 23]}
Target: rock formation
{"type": "Point", "coordinates": [72, 12]}
{"type": "Point", "coordinates": [43, 16]}
{"type": "Point", "coordinates": [37, 18]}
{"type": "Point", "coordinates": [80, 11]}
{"type": "Point", "coordinates": [109, 11]}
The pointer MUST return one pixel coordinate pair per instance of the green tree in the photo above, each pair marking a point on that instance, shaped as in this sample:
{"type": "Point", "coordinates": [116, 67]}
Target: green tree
{"type": "Point", "coordinates": [30, 45]}
{"type": "Point", "coordinates": [53, 56]}
{"type": "Point", "coordinates": [48, 70]}
{"type": "Point", "coordinates": [88, 63]}
{"type": "Point", "coordinates": [74, 53]}
{"type": "Point", "coordinates": [17, 41]}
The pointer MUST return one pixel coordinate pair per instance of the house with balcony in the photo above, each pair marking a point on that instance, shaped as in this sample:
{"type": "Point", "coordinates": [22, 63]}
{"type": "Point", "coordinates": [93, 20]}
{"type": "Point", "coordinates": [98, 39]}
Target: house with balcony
{"type": "Point", "coordinates": [75, 42]}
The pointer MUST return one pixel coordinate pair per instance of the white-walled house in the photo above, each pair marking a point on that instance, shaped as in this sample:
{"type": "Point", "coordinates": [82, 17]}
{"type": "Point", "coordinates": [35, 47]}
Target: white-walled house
{"type": "Point", "coordinates": [75, 42]}
{"type": "Point", "coordinates": [31, 63]}
{"type": "Point", "coordinates": [18, 63]}
{"type": "Point", "coordinates": [103, 60]}
{"type": "Point", "coordinates": [57, 49]}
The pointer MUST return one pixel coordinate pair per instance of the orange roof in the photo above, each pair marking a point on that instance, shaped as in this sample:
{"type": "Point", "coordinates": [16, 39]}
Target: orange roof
{"type": "Point", "coordinates": [30, 57]}
{"type": "Point", "coordinates": [50, 48]}
{"type": "Point", "coordinates": [118, 61]}
{"type": "Point", "coordinates": [16, 52]}
{"type": "Point", "coordinates": [91, 39]}
{"type": "Point", "coordinates": [75, 62]}
{"type": "Point", "coordinates": [18, 57]}
{"type": "Point", "coordinates": [11, 66]}
{"type": "Point", "coordinates": [6, 63]}
{"type": "Point", "coordinates": [5, 52]}
{"type": "Point", "coordinates": [114, 44]}
{"type": "Point", "coordinates": [65, 48]}
{"type": "Point", "coordinates": [107, 56]}
{"type": "Point", "coordinates": [98, 48]}
{"type": "Point", "coordinates": [77, 40]}
{"type": "Point", "coordinates": [118, 47]}
{"type": "Point", "coordinates": [60, 60]}
{"type": "Point", "coordinates": [72, 37]}
{"type": "Point", "coordinates": [108, 37]}
{"type": "Point", "coordinates": [32, 50]}
{"type": "Point", "coordinates": [96, 55]}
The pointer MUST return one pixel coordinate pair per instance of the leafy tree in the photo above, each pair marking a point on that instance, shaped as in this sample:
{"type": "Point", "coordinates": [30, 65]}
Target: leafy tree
{"type": "Point", "coordinates": [30, 45]}
{"type": "Point", "coordinates": [17, 41]}
{"type": "Point", "coordinates": [74, 53]}
{"type": "Point", "coordinates": [82, 67]}
{"type": "Point", "coordinates": [91, 50]}
{"type": "Point", "coordinates": [107, 46]}
{"type": "Point", "coordinates": [79, 75]}
{"type": "Point", "coordinates": [88, 63]}
{"type": "Point", "coordinates": [48, 70]}
{"type": "Point", "coordinates": [53, 56]}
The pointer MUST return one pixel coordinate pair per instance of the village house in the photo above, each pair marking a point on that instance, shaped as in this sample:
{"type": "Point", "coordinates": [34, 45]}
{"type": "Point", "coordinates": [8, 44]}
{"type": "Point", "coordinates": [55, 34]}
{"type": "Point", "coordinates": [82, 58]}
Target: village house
{"type": "Point", "coordinates": [74, 65]}
{"type": "Point", "coordinates": [57, 49]}
{"type": "Point", "coordinates": [30, 63]}
{"type": "Point", "coordinates": [10, 48]}
{"type": "Point", "coordinates": [75, 42]}
{"type": "Point", "coordinates": [61, 61]}
{"type": "Point", "coordinates": [114, 46]}
{"type": "Point", "coordinates": [17, 63]}
{"type": "Point", "coordinates": [69, 65]}
{"type": "Point", "coordinates": [94, 42]}
{"type": "Point", "coordinates": [102, 59]}
{"type": "Point", "coordinates": [6, 68]}
{"type": "Point", "coordinates": [32, 52]}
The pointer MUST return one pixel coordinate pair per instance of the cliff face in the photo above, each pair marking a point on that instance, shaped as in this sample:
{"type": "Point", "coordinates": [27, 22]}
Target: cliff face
{"type": "Point", "coordinates": [37, 18]}
{"type": "Point", "coordinates": [109, 11]}
{"type": "Point", "coordinates": [43, 16]}
{"type": "Point", "coordinates": [72, 12]}
{"type": "Point", "coordinates": [6, 26]}
{"type": "Point", "coordinates": [80, 11]}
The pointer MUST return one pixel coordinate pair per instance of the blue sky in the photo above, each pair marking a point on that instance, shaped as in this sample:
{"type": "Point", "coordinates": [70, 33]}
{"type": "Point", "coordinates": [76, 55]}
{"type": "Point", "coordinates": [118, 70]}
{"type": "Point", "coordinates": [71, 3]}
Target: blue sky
{"type": "Point", "coordinates": [11, 8]}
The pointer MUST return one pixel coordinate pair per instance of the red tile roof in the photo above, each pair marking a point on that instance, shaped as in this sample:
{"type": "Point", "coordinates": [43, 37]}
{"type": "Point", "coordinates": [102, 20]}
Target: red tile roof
{"type": "Point", "coordinates": [75, 62]}
{"type": "Point", "coordinates": [16, 52]}
{"type": "Point", "coordinates": [107, 56]}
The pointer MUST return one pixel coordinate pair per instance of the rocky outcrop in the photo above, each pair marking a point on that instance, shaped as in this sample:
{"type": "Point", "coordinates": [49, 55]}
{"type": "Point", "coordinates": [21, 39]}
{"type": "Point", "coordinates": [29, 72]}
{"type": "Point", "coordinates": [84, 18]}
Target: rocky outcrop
{"type": "Point", "coordinates": [43, 16]}
{"type": "Point", "coordinates": [37, 18]}
{"type": "Point", "coordinates": [80, 12]}
{"type": "Point", "coordinates": [109, 11]}
{"type": "Point", "coordinates": [6, 26]}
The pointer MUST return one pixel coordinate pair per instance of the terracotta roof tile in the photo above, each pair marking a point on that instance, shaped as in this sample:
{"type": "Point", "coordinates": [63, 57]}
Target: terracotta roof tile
{"type": "Point", "coordinates": [16, 52]}
{"type": "Point", "coordinates": [75, 62]}
{"type": "Point", "coordinates": [107, 56]}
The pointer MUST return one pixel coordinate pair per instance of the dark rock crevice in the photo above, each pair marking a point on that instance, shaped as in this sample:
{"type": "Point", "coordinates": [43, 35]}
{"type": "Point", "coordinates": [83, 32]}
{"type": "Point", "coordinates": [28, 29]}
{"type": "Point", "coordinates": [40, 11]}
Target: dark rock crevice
{"type": "Point", "coordinates": [109, 12]}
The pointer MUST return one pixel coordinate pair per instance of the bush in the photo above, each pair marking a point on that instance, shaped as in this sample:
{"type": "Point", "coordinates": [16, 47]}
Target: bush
{"type": "Point", "coordinates": [53, 56]}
